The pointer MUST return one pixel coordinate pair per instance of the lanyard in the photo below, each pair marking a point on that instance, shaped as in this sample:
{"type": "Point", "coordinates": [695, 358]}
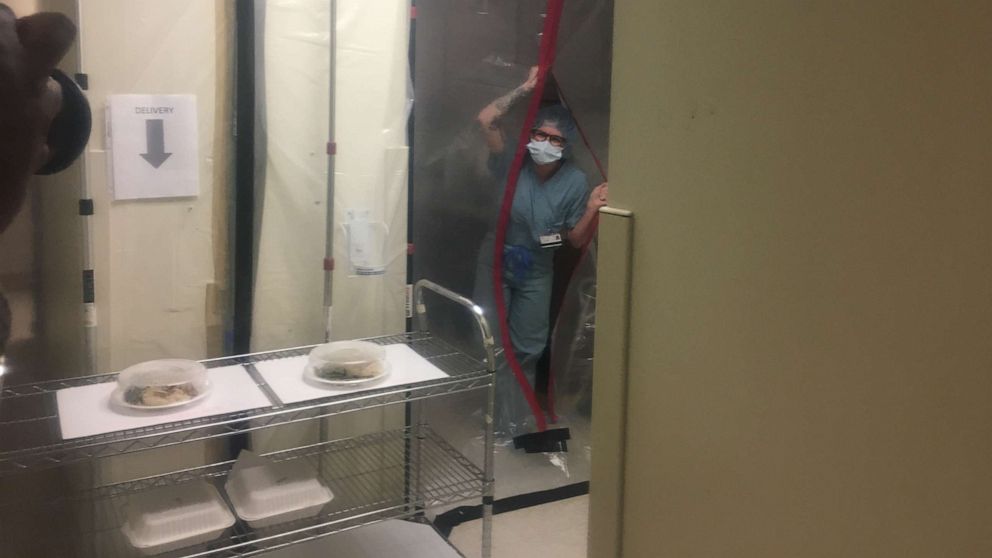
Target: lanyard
{"type": "Point", "coordinates": [535, 190]}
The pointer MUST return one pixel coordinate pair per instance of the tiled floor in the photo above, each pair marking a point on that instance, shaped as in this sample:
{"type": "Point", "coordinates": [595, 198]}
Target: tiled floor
{"type": "Point", "coordinates": [457, 419]}
{"type": "Point", "coordinates": [389, 539]}
{"type": "Point", "coordinates": [555, 530]}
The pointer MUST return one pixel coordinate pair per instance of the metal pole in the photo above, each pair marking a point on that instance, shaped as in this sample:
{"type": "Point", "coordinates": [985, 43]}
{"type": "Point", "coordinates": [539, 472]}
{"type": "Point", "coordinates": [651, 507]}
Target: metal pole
{"type": "Point", "coordinates": [85, 233]}
{"type": "Point", "coordinates": [324, 430]}
{"type": "Point", "coordinates": [488, 342]}
{"type": "Point", "coordinates": [3, 372]}
{"type": "Point", "coordinates": [411, 170]}
{"type": "Point", "coordinates": [331, 152]}
{"type": "Point", "coordinates": [489, 488]}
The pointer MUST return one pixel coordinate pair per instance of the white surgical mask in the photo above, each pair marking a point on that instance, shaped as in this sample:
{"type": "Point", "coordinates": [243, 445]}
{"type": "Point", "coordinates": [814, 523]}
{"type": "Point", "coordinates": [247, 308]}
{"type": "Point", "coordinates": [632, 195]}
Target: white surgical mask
{"type": "Point", "coordinates": [543, 152]}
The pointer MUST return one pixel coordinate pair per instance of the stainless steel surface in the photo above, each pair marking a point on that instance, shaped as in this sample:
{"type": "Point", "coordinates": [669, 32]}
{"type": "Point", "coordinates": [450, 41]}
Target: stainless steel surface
{"type": "Point", "coordinates": [489, 489]}
{"type": "Point", "coordinates": [90, 319]}
{"type": "Point", "coordinates": [489, 470]}
{"type": "Point", "coordinates": [29, 425]}
{"type": "Point", "coordinates": [367, 475]}
{"type": "Point", "coordinates": [3, 372]}
{"type": "Point", "coordinates": [387, 475]}
{"type": "Point", "coordinates": [477, 313]}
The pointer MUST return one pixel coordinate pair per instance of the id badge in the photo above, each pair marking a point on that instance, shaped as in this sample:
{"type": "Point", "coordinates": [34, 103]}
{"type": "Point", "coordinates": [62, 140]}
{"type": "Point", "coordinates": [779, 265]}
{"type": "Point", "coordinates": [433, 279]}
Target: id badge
{"type": "Point", "coordinates": [550, 240]}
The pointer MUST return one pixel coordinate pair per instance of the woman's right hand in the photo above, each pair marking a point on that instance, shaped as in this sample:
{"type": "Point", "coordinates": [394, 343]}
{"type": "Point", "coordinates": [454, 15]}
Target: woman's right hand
{"type": "Point", "coordinates": [531, 82]}
{"type": "Point", "coordinates": [489, 116]}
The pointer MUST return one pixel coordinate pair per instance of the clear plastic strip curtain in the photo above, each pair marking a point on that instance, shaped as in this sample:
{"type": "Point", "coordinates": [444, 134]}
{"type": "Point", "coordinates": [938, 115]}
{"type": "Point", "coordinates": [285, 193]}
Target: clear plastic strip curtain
{"type": "Point", "coordinates": [468, 54]}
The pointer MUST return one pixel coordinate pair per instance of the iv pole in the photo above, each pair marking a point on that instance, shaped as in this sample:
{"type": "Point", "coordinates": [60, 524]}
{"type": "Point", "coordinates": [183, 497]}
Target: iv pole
{"type": "Point", "coordinates": [331, 152]}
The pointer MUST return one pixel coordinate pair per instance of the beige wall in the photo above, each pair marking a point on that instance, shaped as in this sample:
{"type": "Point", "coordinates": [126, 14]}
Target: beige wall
{"type": "Point", "coordinates": [17, 279]}
{"type": "Point", "coordinates": [158, 273]}
{"type": "Point", "coordinates": [810, 364]}
{"type": "Point", "coordinates": [22, 7]}
{"type": "Point", "coordinates": [17, 246]}
{"type": "Point", "coordinates": [161, 265]}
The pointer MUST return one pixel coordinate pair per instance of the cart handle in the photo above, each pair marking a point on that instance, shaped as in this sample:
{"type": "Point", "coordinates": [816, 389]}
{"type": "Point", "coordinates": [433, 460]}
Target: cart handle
{"type": "Point", "coordinates": [3, 372]}
{"type": "Point", "coordinates": [480, 316]}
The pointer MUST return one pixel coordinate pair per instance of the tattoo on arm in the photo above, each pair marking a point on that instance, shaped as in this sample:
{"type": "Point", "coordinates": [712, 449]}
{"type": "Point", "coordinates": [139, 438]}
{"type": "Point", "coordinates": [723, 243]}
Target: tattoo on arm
{"type": "Point", "coordinates": [504, 103]}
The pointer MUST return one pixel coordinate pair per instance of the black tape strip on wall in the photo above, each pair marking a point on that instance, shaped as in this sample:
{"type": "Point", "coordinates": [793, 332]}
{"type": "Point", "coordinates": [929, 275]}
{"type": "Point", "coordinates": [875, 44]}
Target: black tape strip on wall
{"type": "Point", "coordinates": [447, 521]}
{"type": "Point", "coordinates": [89, 287]}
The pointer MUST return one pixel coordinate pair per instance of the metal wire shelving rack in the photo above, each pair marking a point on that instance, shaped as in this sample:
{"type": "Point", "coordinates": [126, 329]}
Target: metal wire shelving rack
{"type": "Point", "coordinates": [385, 475]}
{"type": "Point", "coordinates": [29, 427]}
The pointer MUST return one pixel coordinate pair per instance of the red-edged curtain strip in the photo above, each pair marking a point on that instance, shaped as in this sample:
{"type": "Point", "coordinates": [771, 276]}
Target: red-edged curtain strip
{"type": "Point", "coordinates": [582, 132]}
{"type": "Point", "coordinates": [546, 58]}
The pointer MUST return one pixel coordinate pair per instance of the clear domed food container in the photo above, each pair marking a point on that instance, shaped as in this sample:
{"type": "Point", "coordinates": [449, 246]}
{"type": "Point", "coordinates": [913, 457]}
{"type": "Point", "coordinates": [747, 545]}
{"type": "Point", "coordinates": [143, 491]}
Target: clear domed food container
{"type": "Point", "coordinates": [346, 363]}
{"type": "Point", "coordinates": [161, 384]}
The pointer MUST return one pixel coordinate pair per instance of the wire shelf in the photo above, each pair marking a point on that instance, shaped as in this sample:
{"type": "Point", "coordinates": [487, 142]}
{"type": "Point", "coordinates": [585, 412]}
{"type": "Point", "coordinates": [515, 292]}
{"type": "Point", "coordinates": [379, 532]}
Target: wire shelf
{"type": "Point", "coordinates": [29, 425]}
{"type": "Point", "coordinates": [370, 477]}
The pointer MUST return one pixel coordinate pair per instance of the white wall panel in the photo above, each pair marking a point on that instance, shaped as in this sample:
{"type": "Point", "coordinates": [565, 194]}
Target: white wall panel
{"type": "Point", "coordinates": [371, 111]}
{"type": "Point", "coordinates": [289, 276]}
{"type": "Point", "coordinates": [372, 108]}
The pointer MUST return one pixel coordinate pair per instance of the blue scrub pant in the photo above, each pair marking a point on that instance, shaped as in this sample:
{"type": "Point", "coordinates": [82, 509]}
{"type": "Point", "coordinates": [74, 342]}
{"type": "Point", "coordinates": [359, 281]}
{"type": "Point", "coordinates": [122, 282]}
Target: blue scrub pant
{"type": "Point", "coordinates": [528, 300]}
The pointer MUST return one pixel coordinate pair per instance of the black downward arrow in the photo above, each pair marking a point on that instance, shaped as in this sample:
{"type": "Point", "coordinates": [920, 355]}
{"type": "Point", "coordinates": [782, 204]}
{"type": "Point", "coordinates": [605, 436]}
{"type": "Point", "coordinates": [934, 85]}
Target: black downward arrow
{"type": "Point", "coordinates": [155, 132]}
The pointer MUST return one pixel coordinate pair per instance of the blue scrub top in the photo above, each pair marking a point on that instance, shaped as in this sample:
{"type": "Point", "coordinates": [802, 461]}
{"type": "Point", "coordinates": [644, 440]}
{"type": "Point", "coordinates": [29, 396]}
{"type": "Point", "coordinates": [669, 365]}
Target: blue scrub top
{"type": "Point", "coordinates": [555, 206]}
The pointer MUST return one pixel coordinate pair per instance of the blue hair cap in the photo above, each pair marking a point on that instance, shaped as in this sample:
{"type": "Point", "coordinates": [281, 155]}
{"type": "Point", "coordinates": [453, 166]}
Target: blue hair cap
{"type": "Point", "coordinates": [559, 117]}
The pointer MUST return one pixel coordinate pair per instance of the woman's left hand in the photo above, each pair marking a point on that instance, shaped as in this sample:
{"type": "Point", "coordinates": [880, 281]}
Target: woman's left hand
{"type": "Point", "coordinates": [598, 197]}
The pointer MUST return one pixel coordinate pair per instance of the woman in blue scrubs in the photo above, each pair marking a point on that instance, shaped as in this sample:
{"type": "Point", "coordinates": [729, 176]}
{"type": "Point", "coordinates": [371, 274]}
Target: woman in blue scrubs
{"type": "Point", "coordinates": [552, 205]}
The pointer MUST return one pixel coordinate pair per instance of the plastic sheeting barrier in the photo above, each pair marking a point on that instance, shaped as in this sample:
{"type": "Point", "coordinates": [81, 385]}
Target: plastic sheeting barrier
{"type": "Point", "coordinates": [371, 97]}
{"type": "Point", "coordinates": [466, 57]}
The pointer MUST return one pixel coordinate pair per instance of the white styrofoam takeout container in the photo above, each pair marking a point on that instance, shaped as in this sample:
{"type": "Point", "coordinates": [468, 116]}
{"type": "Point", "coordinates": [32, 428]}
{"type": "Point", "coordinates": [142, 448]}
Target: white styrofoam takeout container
{"type": "Point", "coordinates": [174, 517]}
{"type": "Point", "coordinates": [265, 493]}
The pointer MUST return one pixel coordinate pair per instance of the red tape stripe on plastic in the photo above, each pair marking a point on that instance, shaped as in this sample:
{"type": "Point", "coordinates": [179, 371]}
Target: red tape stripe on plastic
{"type": "Point", "coordinates": [546, 59]}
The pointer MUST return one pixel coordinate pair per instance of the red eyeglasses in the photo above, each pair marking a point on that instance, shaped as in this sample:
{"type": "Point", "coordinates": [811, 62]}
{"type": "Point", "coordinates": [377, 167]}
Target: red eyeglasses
{"type": "Point", "coordinates": [538, 135]}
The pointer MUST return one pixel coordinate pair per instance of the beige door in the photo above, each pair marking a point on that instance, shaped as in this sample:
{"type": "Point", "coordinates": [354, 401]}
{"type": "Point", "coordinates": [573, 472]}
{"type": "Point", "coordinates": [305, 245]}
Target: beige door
{"type": "Point", "coordinates": [806, 367]}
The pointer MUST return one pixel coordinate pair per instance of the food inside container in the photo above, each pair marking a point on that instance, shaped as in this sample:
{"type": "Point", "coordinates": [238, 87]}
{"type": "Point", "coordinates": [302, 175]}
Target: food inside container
{"type": "Point", "coordinates": [162, 383]}
{"type": "Point", "coordinates": [348, 360]}
{"type": "Point", "coordinates": [265, 493]}
{"type": "Point", "coordinates": [175, 517]}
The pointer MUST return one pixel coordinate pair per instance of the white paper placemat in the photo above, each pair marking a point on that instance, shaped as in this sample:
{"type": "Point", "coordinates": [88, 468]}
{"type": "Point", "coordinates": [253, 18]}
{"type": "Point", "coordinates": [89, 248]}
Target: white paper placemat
{"type": "Point", "coordinates": [87, 411]}
{"type": "Point", "coordinates": [285, 375]}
